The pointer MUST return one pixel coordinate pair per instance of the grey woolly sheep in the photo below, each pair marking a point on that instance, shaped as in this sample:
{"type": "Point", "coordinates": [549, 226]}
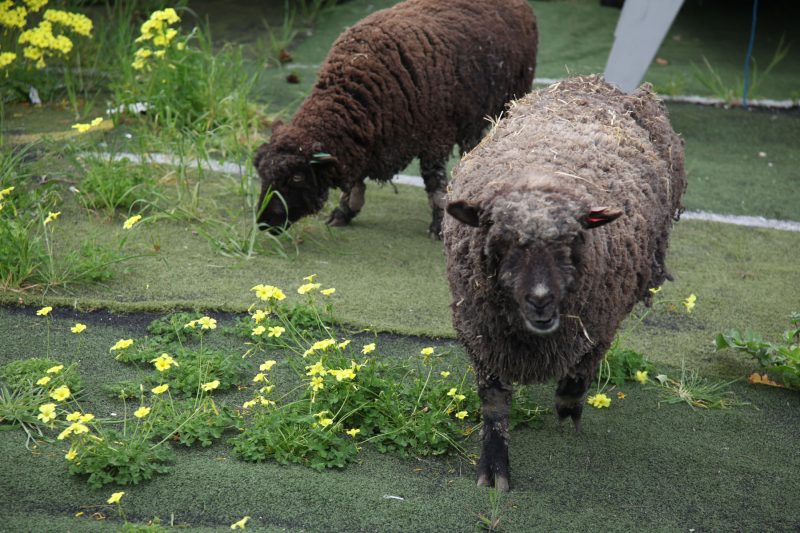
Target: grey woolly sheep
{"type": "Point", "coordinates": [540, 276]}
{"type": "Point", "coordinates": [409, 81]}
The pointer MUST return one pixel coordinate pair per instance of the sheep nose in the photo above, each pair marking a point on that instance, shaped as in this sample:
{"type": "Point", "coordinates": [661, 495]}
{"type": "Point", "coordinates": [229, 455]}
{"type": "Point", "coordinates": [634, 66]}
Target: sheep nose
{"type": "Point", "coordinates": [540, 300]}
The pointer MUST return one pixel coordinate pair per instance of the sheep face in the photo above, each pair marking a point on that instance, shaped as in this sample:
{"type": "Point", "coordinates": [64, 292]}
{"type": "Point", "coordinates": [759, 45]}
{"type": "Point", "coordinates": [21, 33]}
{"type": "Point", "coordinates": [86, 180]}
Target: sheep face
{"type": "Point", "coordinates": [534, 259]}
{"type": "Point", "coordinates": [292, 183]}
{"type": "Point", "coordinates": [535, 278]}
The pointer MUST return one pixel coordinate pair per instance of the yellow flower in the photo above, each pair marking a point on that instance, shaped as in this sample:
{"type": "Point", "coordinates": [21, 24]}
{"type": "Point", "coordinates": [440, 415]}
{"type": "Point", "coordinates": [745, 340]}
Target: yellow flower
{"type": "Point", "coordinates": [78, 328]}
{"type": "Point", "coordinates": [459, 397]}
{"type": "Point", "coordinates": [47, 412]}
{"type": "Point", "coordinates": [211, 385]}
{"type": "Point", "coordinates": [322, 345]}
{"type": "Point", "coordinates": [43, 381]}
{"type": "Point", "coordinates": [55, 369]}
{"type": "Point", "coordinates": [161, 389]}
{"type": "Point", "coordinates": [44, 311]}
{"type": "Point", "coordinates": [207, 323]}
{"type": "Point", "coordinates": [599, 401]}
{"type": "Point", "coordinates": [6, 192]}
{"type": "Point", "coordinates": [259, 316]}
{"type": "Point", "coordinates": [310, 278]}
{"type": "Point", "coordinates": [308, 287]}
{"type": "Point", "coordinates": [76, 22]}
{"type": "Point", "coordinates": [130, 222]}
{"type": "Point", "coordinates": [141, 412]}
{"type": "Point", "coordinates": [266, 366]}
{"type": "Point", "coordinates": [655, 290]}
{"type": "Point", "coordinates": [116, 497]}
{"type": "Point", "coordinates": [12, 18]}
{"type": "Point", "coordinates": [267, 389]}
{"type": "Point", "coordinates": [368, 348]}
{"type": "Point", "coordinates": [76, 428]}
{"type": "Point", "coordinates": [426, 351]}
{"type": "Point", "coordinates": [444, 373]}
{"type": "Point", "coordinates": [327, 292]}
{"type": "Point", "coordinates": [240, 524]}
{"type": "Point", "coordinates": [342, 374]}
{"type": "Point", "coordinates": [61, 393]}
{"type": "Point", "coordinates": [353, 432]}
{"type": "Point", "coordinates": [260, 377]}
{"type": "Point", "coordinates": [268, 292]}
{"type": "Point", "coordinates": [249, 403]}
{"type": "Point", "coordinates": [121, 344]}
{"type": "Point", "coordinates": [82, 128]}
{"type": "Point", "coordinates": [641, 376]}
{"type": "Point", "coordinates": [88, 417]}
{"type": "Point", "coordinates": [258, 330]}
{"type": "Point", "coordinates": [51, 217]}
{"type": "Point", "coordinates": [6, 58]}
{"type": "Point", "coordinates": [317, 383]}
{"type": "Point", "coordinates": [74, 416]}
{"type": "Point", "coordinates": [342, 345]}
{"type": "Point", "coordinates": [275, 331]}
{"type": "Point", "coordinates": [316, 369]}
{"type": "Point", "coordinates": [461, 415]}
{"type": "Point", "coordinates": [164, 362]}
{"type": "Point", "coordinates": [689, 302]}
{"type": "Point", "coordinates": [265, 402]}
{"type": "Point", "coordinates": [325, 422]}
{"type": "Point", "coordinates": [71, 454]}
{"type": "Point", "coordinates": [452, 392]}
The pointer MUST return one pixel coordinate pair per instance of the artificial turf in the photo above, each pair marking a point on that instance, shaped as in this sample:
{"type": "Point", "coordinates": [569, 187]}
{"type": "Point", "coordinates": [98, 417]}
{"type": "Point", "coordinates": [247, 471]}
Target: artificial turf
{"type": "Point", "coordinates": [636, 466]}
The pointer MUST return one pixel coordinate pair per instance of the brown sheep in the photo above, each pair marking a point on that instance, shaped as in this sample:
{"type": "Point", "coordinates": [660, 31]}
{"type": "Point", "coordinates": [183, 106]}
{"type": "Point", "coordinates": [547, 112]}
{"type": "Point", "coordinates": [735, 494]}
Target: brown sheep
{"type": "Point", "coordinates": [559, 224]}
{"type": "Point", "coordinates": [409, 81]}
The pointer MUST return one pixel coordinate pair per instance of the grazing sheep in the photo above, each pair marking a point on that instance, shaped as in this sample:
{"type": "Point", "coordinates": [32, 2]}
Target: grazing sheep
{"type": "Point", "coordinates": [559, 224]}
{"type": "Point", "coordinates": [409, 81]}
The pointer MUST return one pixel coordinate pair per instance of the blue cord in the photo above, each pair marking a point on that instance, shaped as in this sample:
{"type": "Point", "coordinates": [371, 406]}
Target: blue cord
{"type": "Point", "coordinates": [748, 55]}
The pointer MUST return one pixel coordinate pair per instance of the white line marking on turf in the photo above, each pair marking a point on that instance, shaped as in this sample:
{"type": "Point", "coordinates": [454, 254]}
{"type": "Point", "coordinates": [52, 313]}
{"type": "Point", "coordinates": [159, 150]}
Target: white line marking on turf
{"type": "Point", "coordinates": [416, 181]}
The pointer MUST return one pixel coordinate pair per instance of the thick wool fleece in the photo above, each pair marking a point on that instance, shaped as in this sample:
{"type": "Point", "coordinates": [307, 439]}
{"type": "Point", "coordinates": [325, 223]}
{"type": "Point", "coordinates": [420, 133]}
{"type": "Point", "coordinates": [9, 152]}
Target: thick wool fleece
{"type": "Point", "coordinates": [410, 81]}
{"type": "Point", "coordinates": [558, 153]}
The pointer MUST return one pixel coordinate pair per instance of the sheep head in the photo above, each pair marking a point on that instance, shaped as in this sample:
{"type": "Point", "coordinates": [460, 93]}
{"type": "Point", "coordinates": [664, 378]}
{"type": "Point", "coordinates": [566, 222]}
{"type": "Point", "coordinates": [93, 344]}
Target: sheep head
{"type": "Point", "coordinates": [532, 250]}
{"type": "Point", "coordinates": [294, 179]}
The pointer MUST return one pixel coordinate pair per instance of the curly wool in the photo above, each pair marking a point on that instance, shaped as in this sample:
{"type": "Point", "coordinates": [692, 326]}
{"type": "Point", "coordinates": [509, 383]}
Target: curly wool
{"type": "Point", "coordinates": [409, 81]}
{"type": "Point", "coordinates": [559, 152]}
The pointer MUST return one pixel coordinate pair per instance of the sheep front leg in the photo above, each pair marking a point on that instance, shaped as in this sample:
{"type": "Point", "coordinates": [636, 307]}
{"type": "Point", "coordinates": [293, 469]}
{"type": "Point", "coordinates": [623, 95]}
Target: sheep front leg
{"type": "Point", "coordinates": [571, 390]}
{"type": "Point", "coordinates": [350, 203]}
{"type": "Point", "coordinates": [435, 178]}
{"type": "Point", "coordinates": [493, 468]}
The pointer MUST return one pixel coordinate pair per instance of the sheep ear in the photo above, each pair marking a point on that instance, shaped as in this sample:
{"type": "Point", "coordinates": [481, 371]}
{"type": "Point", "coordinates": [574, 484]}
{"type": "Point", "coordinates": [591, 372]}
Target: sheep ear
{"type": "Point", "coordinates": [599, 216]}
{"type": "Point", "coordinates": [466, 212]}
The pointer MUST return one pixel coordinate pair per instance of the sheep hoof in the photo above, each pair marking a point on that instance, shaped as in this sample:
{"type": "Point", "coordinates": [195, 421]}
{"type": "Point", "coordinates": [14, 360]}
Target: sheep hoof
{"type": "Point", "coordinates": [338, 218]}
{"type": "Point", "coordinates": [435, 229]}
{"type": "Point", "coordinates": [500, 482]}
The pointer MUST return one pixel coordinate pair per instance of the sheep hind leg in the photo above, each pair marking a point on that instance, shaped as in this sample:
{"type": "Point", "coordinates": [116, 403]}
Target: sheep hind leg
{"type": "Point", "coordinates": [435, 178]}
{"type": "Point", "coordinates": [350, 204]}
{"type": "Point", "coordinates": [493, 467]}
